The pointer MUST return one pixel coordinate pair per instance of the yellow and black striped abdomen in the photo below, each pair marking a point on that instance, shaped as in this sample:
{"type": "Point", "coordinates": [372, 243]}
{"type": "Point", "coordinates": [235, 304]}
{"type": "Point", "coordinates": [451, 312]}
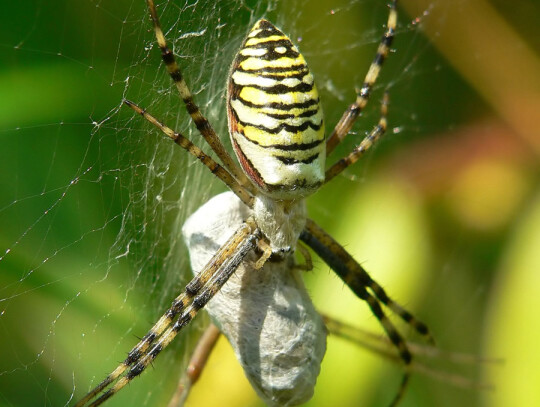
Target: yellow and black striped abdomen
{"type": "Point", "coordinates": [275, 117]}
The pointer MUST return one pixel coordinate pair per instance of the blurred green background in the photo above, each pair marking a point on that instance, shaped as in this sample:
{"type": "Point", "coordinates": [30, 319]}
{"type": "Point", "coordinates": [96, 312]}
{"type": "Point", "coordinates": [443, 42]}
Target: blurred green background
{"type": "Point", "coordinates": [444, 212]}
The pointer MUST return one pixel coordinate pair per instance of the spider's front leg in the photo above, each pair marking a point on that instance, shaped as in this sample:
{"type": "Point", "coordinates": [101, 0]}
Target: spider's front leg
{"type": "Point", "coordinates": [198, 292]}
{"type": "Point", "coordinates": [360, 282]}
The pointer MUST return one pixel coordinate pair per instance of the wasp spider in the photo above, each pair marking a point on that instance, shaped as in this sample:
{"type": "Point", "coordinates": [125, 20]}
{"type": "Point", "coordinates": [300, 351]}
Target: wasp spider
{"type": "Point", "coordinates": [276, 127]}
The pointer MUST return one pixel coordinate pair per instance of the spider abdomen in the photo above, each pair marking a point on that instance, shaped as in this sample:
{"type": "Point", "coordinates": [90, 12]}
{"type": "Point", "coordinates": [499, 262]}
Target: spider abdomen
{"type": "Point", "coordinates": [275, 117]}
{"type": "Point", "coordinates": [267, 316]}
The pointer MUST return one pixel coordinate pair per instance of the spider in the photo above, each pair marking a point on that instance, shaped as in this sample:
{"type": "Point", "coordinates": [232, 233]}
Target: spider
{"type": "Point", "coordinates": [242, 242]}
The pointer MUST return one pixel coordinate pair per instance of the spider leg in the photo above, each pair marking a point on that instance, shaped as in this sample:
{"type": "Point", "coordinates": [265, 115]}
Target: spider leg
{"type": "Point", "coordinates": [202, 123]}
{"type": "Point", "coordinates": [368, 340]}
{"type": "Point", "coordinates": [351, 114]}
{"type": "Point", "coordinates": [365, 145]}
{"type": "Point", "coordinates": [304, 252]}
{"type": "Point", "coordinates": [191, 148]}
{"type": "Point", "coordinates": [195, 296]}
{"type": "Point", "coordinates": [359, 281]}
{"type": "Point", "coordinates": [374, 343]}
{"type": "Point", "coordinates": [196, 364]}
{"type": "Point", "coordinates": [354, 274]}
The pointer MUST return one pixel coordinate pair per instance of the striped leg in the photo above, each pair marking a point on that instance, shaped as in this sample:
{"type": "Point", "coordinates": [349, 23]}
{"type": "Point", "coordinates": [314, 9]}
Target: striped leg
{"type": "Point", "coordinates": [191, 148]}
{"type": "Point", "coordinates": [360, 282]}
{"type": "Point", "coordinates": [200, 121]}
{"type": "Point", "coordinates": [354, 275]}
{"type": "Point", "coordinates": [351, 114]}
{"type": "Point", "coordinates": [365, 145]}
{"type": "Point", "coordinates": [196, 295]}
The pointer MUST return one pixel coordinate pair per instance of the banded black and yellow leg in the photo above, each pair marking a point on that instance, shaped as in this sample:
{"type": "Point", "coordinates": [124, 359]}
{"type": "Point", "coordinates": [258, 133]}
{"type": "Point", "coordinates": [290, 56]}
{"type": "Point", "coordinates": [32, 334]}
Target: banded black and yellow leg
{"type": "Point", "coordinates": [351, 114]}
{"type": "Point", "coordinates": [177, 306]}
{"type": "Point", "coordinates": [365, 145]}
{"type": "Point", "coordinates": [200, 121]}
{"type": "Point", "coordinates": [196, 295]}
{"type": "Point", "coordinates": [354, 276]}
{"type": "Point", "coordinates": [348, 268]}
{"type": "Point", "coordinates": [196, 364]}
{"type": "Point", "coordinates": [195, 151]}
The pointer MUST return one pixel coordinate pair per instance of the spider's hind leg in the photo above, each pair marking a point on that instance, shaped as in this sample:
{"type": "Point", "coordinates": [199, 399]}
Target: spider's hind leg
{"type": "Point", "coordinates": [351, 114]}
{"type": "Point", "coordinates": [216, 169]}
{"type": "Point", "coordinates": [201, 122]}
{"type": "Point", "coordinates": [365, 145]}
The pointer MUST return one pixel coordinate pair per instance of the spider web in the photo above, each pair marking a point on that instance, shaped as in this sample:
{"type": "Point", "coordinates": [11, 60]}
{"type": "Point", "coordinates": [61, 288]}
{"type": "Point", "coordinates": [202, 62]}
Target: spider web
{"type": "Point", "coordinates": [93, 198]}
